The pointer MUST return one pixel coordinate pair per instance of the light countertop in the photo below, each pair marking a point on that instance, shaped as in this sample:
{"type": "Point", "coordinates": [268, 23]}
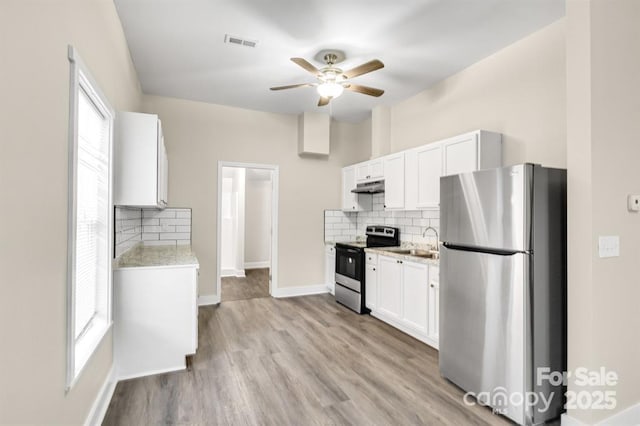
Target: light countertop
{"type": "Point", "coordinates": [409, 258]}
{"type": "Point", "coordinates": [142, 256]}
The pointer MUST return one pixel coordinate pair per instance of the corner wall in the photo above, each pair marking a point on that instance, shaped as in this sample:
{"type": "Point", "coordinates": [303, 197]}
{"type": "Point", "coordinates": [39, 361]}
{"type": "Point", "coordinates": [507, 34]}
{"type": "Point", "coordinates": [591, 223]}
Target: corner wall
{"type": "Point", "coordinates": [603, 108]}
{"type": "Point", "coordinates": [198, 135]}
{"type": "Point", "coordinates": [34, 106]}
{"type": "Point", "coordinates": [519, 91]}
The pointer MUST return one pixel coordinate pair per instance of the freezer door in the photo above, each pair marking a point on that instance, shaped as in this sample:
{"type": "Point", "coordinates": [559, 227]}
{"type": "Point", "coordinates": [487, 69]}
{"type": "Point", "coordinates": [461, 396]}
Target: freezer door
{"type": "Point", "coordinates": [487, 208]}
{"type": "Point", "coordinates": [482, 325]}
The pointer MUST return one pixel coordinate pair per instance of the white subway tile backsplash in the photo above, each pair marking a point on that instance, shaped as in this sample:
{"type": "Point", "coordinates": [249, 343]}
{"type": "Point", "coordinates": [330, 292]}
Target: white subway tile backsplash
{"type": "Point", "coordinates": [166, 213]}
{"type": "Point", "coordinates": [148, 221]}
{"type": "Point", "coordinates": [148, 236]}
{"type": "Point", "coordinates": [411, 223]}
{"type": "Point", "coordinates": [182, 228]}
{"type": "Point", "coordinates": [174, 235]}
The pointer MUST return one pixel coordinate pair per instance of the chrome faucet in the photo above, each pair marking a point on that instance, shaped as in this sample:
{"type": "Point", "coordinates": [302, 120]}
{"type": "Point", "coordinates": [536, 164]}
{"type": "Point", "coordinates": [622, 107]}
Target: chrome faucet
{"type": "Point", "coordinates": [435, 231]}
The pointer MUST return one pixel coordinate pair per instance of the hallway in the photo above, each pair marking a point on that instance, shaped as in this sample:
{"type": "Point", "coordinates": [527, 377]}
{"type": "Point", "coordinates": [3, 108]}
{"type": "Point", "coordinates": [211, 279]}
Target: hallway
{"type": "Point", "coordinates": [253, 286]}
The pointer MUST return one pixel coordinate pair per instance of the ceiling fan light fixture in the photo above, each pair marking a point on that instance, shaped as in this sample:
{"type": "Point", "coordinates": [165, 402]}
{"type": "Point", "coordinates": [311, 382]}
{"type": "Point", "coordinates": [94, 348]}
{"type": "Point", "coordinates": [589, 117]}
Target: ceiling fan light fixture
{"type": "Point", "coordinates": [330, 90]}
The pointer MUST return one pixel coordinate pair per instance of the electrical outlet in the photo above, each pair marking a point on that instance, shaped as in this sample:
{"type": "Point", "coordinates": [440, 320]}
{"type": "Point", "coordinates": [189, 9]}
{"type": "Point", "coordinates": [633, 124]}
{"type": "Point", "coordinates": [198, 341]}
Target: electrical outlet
{"type": "Point", "coordinates": [633, 203]}
{"type": "Point", "coordinates": [609, 246]}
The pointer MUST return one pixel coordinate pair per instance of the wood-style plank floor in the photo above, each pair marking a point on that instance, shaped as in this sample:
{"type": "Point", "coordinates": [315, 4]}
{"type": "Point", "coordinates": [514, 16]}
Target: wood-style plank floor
{"type": "Point", "coordinates": [298, 361]}
{"type": "Point", "coordinates": [254, 285]}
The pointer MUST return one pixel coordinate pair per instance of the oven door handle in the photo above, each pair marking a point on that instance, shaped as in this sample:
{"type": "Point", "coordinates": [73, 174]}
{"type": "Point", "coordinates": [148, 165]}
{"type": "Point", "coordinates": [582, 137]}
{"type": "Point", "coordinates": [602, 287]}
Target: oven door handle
{"type": "Point", "coordinates": [354, 251]}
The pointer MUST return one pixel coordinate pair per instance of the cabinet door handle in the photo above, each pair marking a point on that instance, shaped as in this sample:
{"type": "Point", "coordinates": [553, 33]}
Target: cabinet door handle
{"type": "Point", "coordinates": [432, 286]}
{"type": "Point", "coordinates": [374, 269]}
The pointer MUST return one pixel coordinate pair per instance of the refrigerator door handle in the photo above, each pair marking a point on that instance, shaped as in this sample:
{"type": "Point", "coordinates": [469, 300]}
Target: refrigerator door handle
{"type": "Point", "coordinates": [487, 250]}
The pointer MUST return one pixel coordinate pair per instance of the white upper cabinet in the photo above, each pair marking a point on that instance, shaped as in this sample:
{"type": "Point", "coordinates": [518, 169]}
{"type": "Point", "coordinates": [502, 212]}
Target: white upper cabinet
{"type": "Point", "coordinates": [369, 170]}
{"type": "Point", "coordinates": [351, 201]}
{"type": "Point", "coordinates": [141, 166]}
{"type": "Point", "coordinates": [472, 151]}
{"type": "Point", "coordinates": [412, 177]}
{"type": "Point", "coordinates": [423, 168]}
{"type": "Point", "coordinates": [394, 181]}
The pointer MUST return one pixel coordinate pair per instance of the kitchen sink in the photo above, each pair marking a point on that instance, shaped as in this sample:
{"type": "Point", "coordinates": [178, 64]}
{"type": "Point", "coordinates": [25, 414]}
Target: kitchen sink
{"type": "Point", "coordinates": [426, 254]}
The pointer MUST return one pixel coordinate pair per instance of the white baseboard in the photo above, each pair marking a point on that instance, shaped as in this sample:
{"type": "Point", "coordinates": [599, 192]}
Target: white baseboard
{"type": "Point", "coordinates": [307, 290]}
{"type": "Point", "coordinates": [101, 403]}
{"type": "Point", "coordinates": [153, 372]}
{"type": "Point", "coordinates": [209, 299]}
{"type": "Point", "coordinates": [239, 273]}
{"type": "Point", "coordinates": [257, 265]}
{"type": "Point", "coordinates": [566, 420]}
{"type": "Point", "coordinates": [405, 329]}
{"type": "Point", "coordinates": [626, 417]}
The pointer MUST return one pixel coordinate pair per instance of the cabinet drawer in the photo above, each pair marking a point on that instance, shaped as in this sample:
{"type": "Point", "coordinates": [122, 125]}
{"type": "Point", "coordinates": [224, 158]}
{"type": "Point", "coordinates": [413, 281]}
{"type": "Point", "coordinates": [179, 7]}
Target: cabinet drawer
{"type": "Point", "coordinates": [372, 258]}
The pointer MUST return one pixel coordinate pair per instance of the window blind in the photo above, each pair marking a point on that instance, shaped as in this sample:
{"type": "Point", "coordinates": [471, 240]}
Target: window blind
{"type": "Point", "coordinates": [92, 257]}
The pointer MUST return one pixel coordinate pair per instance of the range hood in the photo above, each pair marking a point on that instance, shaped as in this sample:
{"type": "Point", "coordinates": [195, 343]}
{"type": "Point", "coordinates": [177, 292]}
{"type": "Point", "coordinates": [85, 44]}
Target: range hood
{"type": "Point", "coordinates": [374, 187]}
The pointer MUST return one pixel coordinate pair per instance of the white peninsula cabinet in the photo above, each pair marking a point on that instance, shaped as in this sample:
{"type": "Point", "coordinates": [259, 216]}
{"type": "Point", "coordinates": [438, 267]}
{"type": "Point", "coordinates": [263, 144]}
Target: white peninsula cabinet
{"type": "Point", "coordinates": [155, 311]}
{"type": "Point", "coordinates": [141, 166]}
{"type": "Point", "coordinates": [404, 297]}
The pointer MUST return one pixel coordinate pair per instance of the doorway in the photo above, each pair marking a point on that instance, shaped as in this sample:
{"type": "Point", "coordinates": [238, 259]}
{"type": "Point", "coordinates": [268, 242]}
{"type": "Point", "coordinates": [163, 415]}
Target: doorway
{"type": "Point", "coordinates": [247, 231]}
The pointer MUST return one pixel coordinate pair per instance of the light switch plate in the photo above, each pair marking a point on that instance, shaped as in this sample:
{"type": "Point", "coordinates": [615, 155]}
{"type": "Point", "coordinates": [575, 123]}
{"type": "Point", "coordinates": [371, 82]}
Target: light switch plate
{"type": "Point", "coordinates": [609, 246]}
{"type": "Point", "coordinates": [633, 203]}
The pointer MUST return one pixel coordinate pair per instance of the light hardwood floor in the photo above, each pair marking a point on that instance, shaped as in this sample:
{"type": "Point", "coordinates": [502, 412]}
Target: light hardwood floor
{"type": "Point", "coordinates": [254, 285]}
{"type": "Point", "coordinates": [298, 361]}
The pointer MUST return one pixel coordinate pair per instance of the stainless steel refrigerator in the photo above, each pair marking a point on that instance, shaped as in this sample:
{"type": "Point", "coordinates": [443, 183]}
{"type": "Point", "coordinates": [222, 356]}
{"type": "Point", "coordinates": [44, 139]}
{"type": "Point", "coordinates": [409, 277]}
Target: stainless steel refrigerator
{"type": "Point", "coordinates": [503, 287]}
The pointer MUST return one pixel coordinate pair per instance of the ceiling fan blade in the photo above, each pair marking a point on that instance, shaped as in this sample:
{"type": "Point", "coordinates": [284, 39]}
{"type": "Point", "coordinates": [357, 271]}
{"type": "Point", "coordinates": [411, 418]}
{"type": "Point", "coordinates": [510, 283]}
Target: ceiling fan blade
{"type": "Point", "coordinates": [292, 86]}
{"type": "Point", "coordinates": [306, 65]}
{"type": "Point", "coordinates": [364, 68]}
{"type": "Point", "coordinates": [371, 91]}
{"type": "Point", "coordinates": [323, 101]}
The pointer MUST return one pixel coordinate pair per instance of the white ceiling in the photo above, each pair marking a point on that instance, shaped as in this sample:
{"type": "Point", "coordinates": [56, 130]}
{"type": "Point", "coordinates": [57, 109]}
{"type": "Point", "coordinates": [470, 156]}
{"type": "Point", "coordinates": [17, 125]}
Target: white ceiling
{"type": "Point", "coordinates": [179, 51]}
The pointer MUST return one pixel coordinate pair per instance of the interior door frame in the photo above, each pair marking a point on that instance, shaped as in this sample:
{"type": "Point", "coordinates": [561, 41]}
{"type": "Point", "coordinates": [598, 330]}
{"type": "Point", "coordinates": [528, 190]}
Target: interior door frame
{"type": "Point", "coordinates": [275, 176]}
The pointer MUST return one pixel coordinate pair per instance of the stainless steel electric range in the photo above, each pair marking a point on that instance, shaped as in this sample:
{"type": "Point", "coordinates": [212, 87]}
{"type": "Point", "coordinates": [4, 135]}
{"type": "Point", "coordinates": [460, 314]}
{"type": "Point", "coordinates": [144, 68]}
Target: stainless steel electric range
{"type": "Point", "coordinates": [350, 265]}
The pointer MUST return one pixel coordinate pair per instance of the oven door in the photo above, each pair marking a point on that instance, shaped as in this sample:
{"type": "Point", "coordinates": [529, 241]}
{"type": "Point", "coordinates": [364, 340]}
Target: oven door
{"type": "Point", "coordinates": [349, 267]}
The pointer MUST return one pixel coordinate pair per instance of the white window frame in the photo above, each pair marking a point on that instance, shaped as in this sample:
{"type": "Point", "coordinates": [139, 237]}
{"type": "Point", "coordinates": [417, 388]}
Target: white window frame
{"type": "Point", "coordinates": [81, 79]}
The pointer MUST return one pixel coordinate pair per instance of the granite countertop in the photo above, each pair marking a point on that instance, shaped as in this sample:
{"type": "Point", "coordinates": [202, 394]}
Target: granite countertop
{"type": "Point", "coordinates": [385, 252]}
{"type": "Point", "coordinates": [148, 256]}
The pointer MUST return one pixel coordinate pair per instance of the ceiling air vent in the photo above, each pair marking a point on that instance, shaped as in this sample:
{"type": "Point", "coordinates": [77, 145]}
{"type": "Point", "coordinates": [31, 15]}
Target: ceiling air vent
{"type": "Point", "coordinates": [228, 38]}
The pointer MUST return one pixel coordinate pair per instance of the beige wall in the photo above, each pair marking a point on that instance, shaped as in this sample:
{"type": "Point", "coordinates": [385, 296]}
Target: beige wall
{"type": "Point", "coordinates": [257, 225]}
{"type": "Point", "coordinates": [518, 91]}
{"type": "Point", "coordinates": [34, 103]}
{"type": "Point", "coordinates": [603, 109]}
{"type": "Point", "coordinates": [198, 135]}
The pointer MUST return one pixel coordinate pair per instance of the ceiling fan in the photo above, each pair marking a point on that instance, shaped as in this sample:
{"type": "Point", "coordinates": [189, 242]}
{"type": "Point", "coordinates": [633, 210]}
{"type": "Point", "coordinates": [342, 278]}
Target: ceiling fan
{"type": "Point", "coordinates": [332, 80]}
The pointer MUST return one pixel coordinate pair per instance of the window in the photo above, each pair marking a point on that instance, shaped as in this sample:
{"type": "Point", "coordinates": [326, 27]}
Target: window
{"type": "Point", "coordinates": [90, 218]}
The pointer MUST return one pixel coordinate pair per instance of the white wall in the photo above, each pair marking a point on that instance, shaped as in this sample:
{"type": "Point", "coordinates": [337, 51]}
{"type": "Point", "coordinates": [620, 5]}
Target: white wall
{"type": "Point", "coordinates": [603, 111]}
{"type": "Point", "coordinates": [233, 222]}
{"type": "Point", "coordinates": [257, 241]}
{"type": "Point", "coordinates": [520, 91]}
{"type": "Point", "coordinates": [198, 135]}
{"type": "Point", "coordinates": [34, 105]}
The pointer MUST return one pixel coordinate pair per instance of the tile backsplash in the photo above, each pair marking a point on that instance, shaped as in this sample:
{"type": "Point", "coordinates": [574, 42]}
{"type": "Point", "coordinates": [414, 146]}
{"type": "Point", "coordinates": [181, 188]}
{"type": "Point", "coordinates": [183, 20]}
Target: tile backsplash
{"type": "Point", "coordinates": [411, 223]}
{"type": "Point", "coordinates": [166, 227]}
{"type": "Point", "coordinates": [171, 226]}
{"type": "Point", "coordinates": [128, 229]}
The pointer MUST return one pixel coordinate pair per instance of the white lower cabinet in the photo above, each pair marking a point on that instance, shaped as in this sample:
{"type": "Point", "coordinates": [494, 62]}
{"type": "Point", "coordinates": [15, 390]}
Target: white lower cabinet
{"type": "Point", "coordinates": [330, 268]}
{"type": "Point", "coordinates": [434, 303]}
{"type": "Point", "coordinates": [155, 319]}
{"type": "Point", "coordinates": [415, 285]}
{"type": "Point", "coordinates": [389, 300]}
{"type": "Point", "coordinates": [371, 282]}
{"type": "Point", "coordinates": [405, 298]}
